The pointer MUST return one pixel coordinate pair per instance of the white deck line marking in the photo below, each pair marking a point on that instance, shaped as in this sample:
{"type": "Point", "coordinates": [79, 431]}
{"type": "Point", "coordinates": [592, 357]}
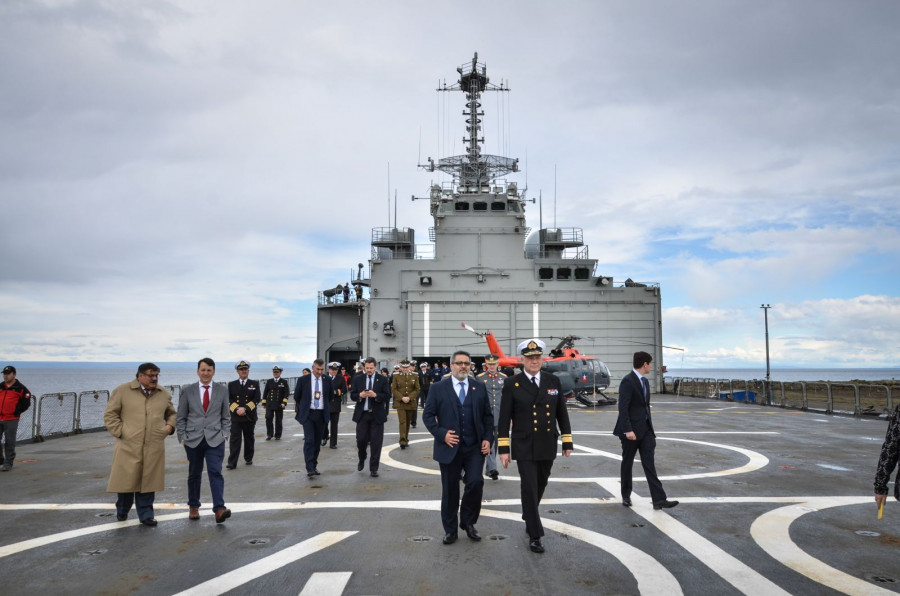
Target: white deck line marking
{"type": "Point", "coordinates": [651, 576]}
{"type": "Point", "coordinates": [681, 432]}
{"type": "Point", "coordinates": [742, 577]}
{"type": "Point", "coordinates": [771, 531]}
{"type": "Point", "coordinates": [326, 583]}
{"type": "Point", "coordinates": [757, 461]}
{"type": "Point", "coordinates": [242, 575]}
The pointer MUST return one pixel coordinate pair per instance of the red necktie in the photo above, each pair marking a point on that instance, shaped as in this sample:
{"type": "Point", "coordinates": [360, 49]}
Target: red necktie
{"type": "Point", "coordinates": [205, 397]}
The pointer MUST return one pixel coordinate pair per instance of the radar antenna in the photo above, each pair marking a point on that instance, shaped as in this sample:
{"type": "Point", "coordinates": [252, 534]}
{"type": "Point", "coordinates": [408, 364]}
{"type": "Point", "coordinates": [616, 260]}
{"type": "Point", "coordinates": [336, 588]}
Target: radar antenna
{"type": "Point", "coordinates": [474, 169]}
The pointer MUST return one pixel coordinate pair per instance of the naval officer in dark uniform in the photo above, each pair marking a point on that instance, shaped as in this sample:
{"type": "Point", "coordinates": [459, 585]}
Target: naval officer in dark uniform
{"type": "Point", "coordinates": [533, 402]}
{"type": "Point", "coordinates": [243, 399]}
{"type": "Point", "coordinates": [275, 399]}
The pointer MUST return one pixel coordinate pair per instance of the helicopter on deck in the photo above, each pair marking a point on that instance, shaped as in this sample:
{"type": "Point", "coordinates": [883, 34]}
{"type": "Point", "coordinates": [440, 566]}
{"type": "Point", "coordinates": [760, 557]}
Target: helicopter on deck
{"type": "Point", "coordinates": [583, 377]}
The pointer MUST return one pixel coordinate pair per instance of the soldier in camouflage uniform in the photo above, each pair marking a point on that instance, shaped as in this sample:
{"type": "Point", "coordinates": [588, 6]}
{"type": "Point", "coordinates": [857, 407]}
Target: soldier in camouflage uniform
{"type": "Point", "coordinates": [405, 388]}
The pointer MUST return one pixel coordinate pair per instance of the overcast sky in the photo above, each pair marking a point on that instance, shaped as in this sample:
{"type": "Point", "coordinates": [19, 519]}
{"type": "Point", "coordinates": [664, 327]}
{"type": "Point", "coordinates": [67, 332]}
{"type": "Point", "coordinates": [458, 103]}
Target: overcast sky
{"type": "Point", "coordinates": [179, 179]}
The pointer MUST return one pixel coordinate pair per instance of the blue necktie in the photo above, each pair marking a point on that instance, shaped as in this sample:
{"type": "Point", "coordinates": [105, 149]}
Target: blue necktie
{"type": "Point", "coordinates": [317, 393]}
{"type": "Point", "coordinates": [369, 388]}
{"type": "Point", "coordinates": [462, 392]}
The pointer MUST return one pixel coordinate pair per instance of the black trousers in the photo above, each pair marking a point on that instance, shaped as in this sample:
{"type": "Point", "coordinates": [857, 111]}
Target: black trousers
{"type": "Point", "coordinates": [274, 416]}
{"type": "Point", "coordinates": [331, 433]}
{"type": "Point", "coordinates": [647, 447]}
{"type": "Point", "coordinates": [313, 431]}
{"type": "Point", "coordinates": [369, 431]}
{"type": "Point", "coordinates": [241, 428]}
{"type": "Point", "coordinates": [470, 459]}
{"type": "Point", "coordinates": [533, 476]}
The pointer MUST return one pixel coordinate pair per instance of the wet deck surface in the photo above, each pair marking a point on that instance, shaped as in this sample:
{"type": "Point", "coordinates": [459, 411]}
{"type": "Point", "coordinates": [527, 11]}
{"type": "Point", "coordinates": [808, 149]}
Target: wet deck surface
{"type": "Point", "coordinates": [772, 501]}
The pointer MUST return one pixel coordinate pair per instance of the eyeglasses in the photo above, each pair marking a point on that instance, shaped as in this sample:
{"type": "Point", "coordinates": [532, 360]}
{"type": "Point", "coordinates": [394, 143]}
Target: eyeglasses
{"type": "Point", "coordinates": [149, 376]}
{"type": "Point", "coordinates": [462, 364]}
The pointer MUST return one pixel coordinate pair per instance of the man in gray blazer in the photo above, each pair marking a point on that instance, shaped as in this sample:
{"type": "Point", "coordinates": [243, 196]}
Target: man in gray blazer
{"type": "Point", "coordinates": [203, 423]}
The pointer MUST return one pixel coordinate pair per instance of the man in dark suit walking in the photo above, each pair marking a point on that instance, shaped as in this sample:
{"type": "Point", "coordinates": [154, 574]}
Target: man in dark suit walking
{"type": "Point", "coordinates": [371, 392]}
{"type": "Point", "coordinates": [635, 429]}
{"type": "Point", "coordinates": [458, 414]}
{"type": "Point", "coordinates": [313, 396]}
{"type": "Point", "coordinates": [533, 402]}
{"type": "Point", "coordinates": [339, 389]}
{"type": "Point", "coordinates": [202, 422]}
{"type": "Point", "coordinates": [244, 397]}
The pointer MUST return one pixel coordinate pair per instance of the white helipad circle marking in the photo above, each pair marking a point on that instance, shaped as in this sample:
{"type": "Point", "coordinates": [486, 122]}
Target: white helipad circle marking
{"type": "Point", "coordinates": [756, 462]}
{"type": "Point", "coordinates": [771, 531]}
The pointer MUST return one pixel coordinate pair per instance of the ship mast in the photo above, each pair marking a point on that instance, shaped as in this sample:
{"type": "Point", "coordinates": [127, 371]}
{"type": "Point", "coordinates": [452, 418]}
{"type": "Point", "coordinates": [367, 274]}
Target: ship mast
{"type": "Point", "coordinates": [473, 172]}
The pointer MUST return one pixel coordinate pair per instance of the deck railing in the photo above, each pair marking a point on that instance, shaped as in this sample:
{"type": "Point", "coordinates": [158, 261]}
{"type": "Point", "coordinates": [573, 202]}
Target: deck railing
{"type": "Point", "coordinates": [857, 399]}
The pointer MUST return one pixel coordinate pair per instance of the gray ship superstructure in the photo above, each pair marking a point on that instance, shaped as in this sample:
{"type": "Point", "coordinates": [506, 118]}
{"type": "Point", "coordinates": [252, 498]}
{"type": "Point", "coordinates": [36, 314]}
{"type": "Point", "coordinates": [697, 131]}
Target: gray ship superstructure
{"type": "Point", "coordinates": [486, 268]}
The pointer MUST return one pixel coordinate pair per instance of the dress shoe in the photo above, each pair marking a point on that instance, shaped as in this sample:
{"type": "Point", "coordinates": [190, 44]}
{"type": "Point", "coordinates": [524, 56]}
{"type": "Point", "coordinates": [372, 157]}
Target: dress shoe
{"type": "Point", "coordinates": [360, 465]}
{"type": "Point", "coordinates": [150, 521]}
{"type": "Point", "coordinates": [494, 474]}
{"type": "Point", "coordinates": [310, 473]}
{"type": "Point", "coordinates": [121, 517]}
{"type": "Point", "coordinates": [450, 538]}
{"type": "Point", "coordinates": [316, 472]}
{"type": "Point", "coordinates": [194, 513]}
{"type": "Point", "coordinates": [249, 462]}
{"type": "Point", "coordinates": [664, 504]}
{"type": "Point", "coordinates": [277, 438]}
{"type": "Point", "coordinates": [230, 466]}
{"type": "Point", "coordinates": [268, 438]}
{"type": "Point", "coordinates": [471, 532]}
{"type": "Point", "coordinates": [324, 442]}
{"type": "Point", "coordinates": [626, 501]}
{"type": "Point", "coordinates": [332, 446]}
{"type": "Point", "coordinates": [402, 446]}
{"type": "Point", "coordinates": [413, 425]}
{"type": "Point", "coordinates": [222, 514]}
{"type": "Point", "coordinates": [374, 474]}
{"type": "Point", "coordinates": [536, 546]}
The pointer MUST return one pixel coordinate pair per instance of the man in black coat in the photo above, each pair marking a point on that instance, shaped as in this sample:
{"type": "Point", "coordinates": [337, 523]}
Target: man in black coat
{"type": "Point", "coordinates": [634, 427]}
{"type": "Point", "coordinates": [243, 398]}
{"type": "Point", "coordinates": [339, 388]}
{"type": "Point", "coordinates": [275, 398]}
{"type": "Point", "coordinates": [459, 416]}
{"type": "Point", "coordinates": [533, 402]}
{"type": "Point", "coordinates": [372, 394]}
{"type": "Point", "coordinates": [312, 397]}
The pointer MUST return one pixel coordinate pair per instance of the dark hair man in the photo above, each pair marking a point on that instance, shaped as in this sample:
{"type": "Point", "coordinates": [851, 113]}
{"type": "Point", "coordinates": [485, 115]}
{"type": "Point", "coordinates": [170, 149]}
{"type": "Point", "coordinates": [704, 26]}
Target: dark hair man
{"type": "Point", "coordinates": [139, 458]}
{"type": "Point", "coordinates": [371, 392]}
{"type": "Point", "coordinates": [14, 400]}
{"type": "Point", "coordinates": [203, 423]}
{"type": "Point", "coordinates": [458, 414]}
{"type": "Point", "coordinates": [634, 427]}
{"type": "Point", "coordinates": [312, 397]}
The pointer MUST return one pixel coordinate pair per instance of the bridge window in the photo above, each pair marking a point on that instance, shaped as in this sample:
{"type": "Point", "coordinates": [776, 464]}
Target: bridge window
{"type": "Point", "coordinates": [564, 273]}
{"type": "Point", "coordinates": [582, 273]}
{"type": "Point", "coordinates": [479, 206]}
{"type": "Point", "coordinates": [462, 206]}
{"type": "Point", "coordinates": [498, 206]}
{"type": "Point", "coordinates": [545, 273]}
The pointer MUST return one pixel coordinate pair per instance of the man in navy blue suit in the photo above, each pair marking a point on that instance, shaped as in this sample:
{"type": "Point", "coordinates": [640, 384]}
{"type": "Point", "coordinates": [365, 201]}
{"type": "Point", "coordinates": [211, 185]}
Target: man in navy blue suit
{"type": "Point", "coordinates": [372, 393]}
{"type": "Point", "coordinates": [458, 414]}
{"type": "Point", "coordinates": [635, 429]}
{"type": "Point", "coordinates": [312, 396]}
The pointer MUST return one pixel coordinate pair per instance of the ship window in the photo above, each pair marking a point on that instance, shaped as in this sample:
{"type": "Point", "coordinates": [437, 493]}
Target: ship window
{"type": "Point", "coordinates": [545, 273]}
{"type": "Point", "coordinates": [563, 273]}
{"type": "Point", "coordinates": [498, 206]}
{"type": "Point", "coordinates": [462, 206]}
{"type": "Point", "coordinates": [479, 206]}
{"type": "Point", "coordinates": [582, 273]}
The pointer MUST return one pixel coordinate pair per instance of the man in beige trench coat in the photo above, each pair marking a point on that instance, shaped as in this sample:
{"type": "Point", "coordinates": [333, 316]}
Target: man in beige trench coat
{"type": "Point", "coordinates": [140, 416]}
